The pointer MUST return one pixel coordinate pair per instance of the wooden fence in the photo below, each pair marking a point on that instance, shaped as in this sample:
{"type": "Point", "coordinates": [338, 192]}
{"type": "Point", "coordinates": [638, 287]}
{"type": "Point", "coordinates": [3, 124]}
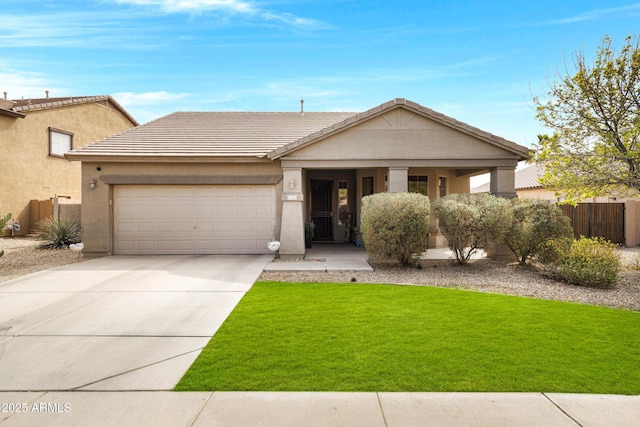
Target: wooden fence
{"type": "Point", "coordinates": [597, 220]}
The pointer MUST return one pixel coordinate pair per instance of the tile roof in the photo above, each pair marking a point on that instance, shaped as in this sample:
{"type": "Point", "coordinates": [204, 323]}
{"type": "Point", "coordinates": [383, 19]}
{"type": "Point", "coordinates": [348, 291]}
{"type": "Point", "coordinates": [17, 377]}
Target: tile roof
{"type": "Point", "coordinates": [526, 179]}
{"type": "Point", "coordinates": [19, 107]}
{"type": "Point", "coordinates": [212, 134]}
{"type": "Point", "coordinates": [252, 134]}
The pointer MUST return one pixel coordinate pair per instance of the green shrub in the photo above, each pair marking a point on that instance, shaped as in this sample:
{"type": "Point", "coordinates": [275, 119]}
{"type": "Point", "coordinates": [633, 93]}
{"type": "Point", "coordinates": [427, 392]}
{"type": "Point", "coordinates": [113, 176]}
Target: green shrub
{"type": "Point", "coordinates": [395, 226]}
{"type": "Point", "coordinates": [59, 233]}
{"type": "Point", "coordinates": [589, 262]}
{"type": "Point", "coordinates": [534, 224]}
{"type": "Point", "coordinates": [3, 223]}
{"type": "Point", "coordinates": [471, 221]}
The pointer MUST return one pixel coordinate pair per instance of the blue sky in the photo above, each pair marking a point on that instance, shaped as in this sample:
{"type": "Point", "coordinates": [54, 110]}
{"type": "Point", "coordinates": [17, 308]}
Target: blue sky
{"type": "Point", "coordinates": [480, 62]}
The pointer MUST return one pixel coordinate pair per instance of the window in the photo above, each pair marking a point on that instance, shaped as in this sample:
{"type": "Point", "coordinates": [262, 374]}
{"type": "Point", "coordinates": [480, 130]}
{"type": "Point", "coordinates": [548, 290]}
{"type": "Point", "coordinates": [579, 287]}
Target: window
{"type": "Point", "coordinates": [418, 184]}
{"type": "Point", "coordinates": [343, 201]}
{"type": "Point", "coordinates": [367, 186]}
{"type": "Point", "coordinates": [442, 183]}
{"type": "Point", "coordinates": [60, 142]}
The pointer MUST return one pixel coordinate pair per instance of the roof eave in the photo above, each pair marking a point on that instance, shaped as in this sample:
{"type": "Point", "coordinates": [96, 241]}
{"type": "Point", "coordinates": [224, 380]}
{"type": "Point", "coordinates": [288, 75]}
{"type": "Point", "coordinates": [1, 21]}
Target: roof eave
{"type": "Point", "coordinates": [76, 101]}
{"type": "Point", "coordinates": [161, 158]}
{"type": "Point", "coordinates": [13, 114]}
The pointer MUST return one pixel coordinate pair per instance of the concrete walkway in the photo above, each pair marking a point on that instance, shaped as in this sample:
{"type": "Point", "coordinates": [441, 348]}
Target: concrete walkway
{"type": "Point", "coordinates": [236, 409]}
{"type": "Point", "coordinates": [116, 323]}
{"type": "Point", "coordinates": [346, 257]}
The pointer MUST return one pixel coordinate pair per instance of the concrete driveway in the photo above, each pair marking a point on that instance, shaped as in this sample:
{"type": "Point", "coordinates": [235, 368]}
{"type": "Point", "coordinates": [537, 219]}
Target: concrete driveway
{"type": "Point", "coordinates": [117, 323]}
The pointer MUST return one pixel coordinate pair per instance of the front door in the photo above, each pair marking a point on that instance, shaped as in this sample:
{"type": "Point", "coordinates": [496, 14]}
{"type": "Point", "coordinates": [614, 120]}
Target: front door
{"type": "Point", "coordinates": [322, 208]}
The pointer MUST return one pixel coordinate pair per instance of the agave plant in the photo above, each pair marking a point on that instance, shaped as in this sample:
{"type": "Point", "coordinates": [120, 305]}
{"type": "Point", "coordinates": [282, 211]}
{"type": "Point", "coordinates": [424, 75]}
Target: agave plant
{"type": "Point", "coordinates": [59, 233]}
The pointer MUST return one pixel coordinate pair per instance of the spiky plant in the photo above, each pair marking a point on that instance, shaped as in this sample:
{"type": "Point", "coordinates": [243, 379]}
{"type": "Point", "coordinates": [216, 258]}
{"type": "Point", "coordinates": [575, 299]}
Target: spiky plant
{"type": "Point", "coordinates": [59, 233]}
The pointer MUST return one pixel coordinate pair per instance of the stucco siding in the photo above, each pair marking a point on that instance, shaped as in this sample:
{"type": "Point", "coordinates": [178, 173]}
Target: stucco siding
{"type": "Point", "coordinates": [29, 172]}
{"type": "Point", "coordinates": [390, 137]}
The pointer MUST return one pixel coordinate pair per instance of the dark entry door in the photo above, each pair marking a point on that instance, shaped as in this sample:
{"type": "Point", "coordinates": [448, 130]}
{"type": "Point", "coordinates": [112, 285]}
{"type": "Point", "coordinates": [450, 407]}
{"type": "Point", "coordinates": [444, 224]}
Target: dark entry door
{"type": "Point", "coordinates": [322, 208]}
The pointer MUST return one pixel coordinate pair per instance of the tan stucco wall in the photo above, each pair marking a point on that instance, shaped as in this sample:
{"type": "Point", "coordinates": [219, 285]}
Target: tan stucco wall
{"type": "Point", "coordinates": [97, 204]}
{"type": "Point", "coordinates": [399, 134]}
{"type": "Point", "coordinates": [537, 194]}
{"type": "Point", "coordinates": [28, 172]}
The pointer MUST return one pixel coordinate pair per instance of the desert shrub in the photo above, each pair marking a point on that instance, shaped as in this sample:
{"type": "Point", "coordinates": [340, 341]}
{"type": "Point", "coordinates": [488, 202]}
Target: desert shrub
{"type": "Point", "coordinates": [3, 223]}
{"type": "Point", "coordinates": [589, 262]}
{"type": "Point", "coordinates": [534, 224]}
{"type": "Point", "coordinates": [552, 250]}
{"type": "Point", "coordinates": [59, 233]}
{"type": "Point", "coordinates": [395, 226]}
{"type": "Point", "coordinates": [471, 221]}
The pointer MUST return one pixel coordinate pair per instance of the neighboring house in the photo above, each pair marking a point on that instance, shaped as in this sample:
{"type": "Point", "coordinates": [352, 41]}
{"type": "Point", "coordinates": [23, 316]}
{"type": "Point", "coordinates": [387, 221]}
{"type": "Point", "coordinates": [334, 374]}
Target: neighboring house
{"type": "Point", "coordinates": [623, 222]}
{"type": "Point", "coordinates": [526, 184]}
{"type": "Point", "coordinates": [35, 134]}
{"type": "Point", "coordinates": [229, 182]}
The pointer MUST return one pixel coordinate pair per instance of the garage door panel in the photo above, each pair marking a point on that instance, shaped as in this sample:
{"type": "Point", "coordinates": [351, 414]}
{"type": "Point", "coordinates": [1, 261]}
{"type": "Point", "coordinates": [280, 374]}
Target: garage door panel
{"type": "Point", "coordinates": [165, 227]}
{"type": "Point", "coordinates": [144, 227]}
{"type": "Point", "coordinates": [263, 227]}
{"type": "Point", "coordinates": [225, 191]}
{"type": "Point", "coordinates": [144, 245]}
{"type": "Point", "coordinates": [193, 219]}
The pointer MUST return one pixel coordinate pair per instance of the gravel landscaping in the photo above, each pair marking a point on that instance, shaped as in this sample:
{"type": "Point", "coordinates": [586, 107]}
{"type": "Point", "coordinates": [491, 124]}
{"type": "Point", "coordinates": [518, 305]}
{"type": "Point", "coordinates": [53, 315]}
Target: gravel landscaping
{"type": "Point", "coordinates": [484, 275]}
{"type": "Point", "coordinates": [22, 256]}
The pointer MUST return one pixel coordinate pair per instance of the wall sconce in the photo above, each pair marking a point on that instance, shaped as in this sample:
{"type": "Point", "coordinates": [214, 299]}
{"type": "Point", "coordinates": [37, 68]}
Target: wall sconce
{"type": "Point", "coordinates": [93, 183]}
{"type": "Point", "coordinates": [292, 184]}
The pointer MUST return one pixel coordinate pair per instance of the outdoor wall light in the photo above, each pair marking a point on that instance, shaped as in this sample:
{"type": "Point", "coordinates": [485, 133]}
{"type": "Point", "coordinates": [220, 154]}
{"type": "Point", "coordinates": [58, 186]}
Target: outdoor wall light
{"type": "Point", "coordinates": [292, 184]}
{"type": "Point", "coordinates": [93, 183]}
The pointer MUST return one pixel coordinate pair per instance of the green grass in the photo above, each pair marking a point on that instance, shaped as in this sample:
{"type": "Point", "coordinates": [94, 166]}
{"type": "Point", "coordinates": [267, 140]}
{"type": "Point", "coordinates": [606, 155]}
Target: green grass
{"type": "Point", "coordinates": [357, 337]}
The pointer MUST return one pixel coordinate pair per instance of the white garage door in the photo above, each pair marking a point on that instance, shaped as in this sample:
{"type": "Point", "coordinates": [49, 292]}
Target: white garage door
{"type": "Point", "coordinates": [197, 219]}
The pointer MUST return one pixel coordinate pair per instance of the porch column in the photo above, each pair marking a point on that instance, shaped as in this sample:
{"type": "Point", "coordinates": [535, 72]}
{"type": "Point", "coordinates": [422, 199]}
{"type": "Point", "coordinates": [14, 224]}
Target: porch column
{"type": "Point", "coordinates": [292, 223]}
{"type": "Point", "coordinates": [503, 182]}
{"type": "Point", "coordinates": [398, 180]}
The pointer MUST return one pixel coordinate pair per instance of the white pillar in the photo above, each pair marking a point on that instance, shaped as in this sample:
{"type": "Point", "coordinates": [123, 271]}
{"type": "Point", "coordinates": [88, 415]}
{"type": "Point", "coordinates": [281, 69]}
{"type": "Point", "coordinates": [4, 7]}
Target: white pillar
{"type": "Point", "coordinates": [292, 224]}
{"type": "Point", "coordinates": [503, 182]}
{"type": "Point", "coordinates": [398, 180]}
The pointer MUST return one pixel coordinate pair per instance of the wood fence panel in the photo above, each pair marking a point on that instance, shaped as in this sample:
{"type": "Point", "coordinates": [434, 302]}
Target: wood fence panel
{"type": "Point", "coordinates": [597, 220]}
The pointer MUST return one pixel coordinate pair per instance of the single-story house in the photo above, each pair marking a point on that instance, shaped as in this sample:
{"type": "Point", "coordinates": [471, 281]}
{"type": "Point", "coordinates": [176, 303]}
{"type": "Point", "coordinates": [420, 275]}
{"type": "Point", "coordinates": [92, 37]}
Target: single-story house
{"type": "Point", "coordinates": [35, 134]}
{"type": "Point", "coordinates": [229, 182]}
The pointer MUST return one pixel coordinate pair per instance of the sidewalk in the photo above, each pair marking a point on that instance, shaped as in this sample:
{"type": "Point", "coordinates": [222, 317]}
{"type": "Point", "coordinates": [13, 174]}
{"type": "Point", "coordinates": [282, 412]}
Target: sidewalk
{"type": "Point", "coordinates": [157, 409]}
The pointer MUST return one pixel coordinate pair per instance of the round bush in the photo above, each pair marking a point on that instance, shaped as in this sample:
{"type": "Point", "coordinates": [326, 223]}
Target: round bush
{"type": "Point", "coordinates": [590, 262]}
{"type": "Point", "coordinates": [534, 224]}
{"type": "Point", "coordinates": [471, 221]}
{"type": "Point", "coordinates": [395, 226]}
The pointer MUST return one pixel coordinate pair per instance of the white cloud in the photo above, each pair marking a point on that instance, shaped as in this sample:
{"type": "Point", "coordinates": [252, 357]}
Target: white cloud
{"type": "Point", "coordinates": [596, 14]}
{"type": "Point", "coordinates": [237, 6]}
{"type": "Point", "coordinates": [232, 7]}
{"type": "Point", "coordinates": [26, 84]}
{"type": "Point", "coordinates": [147, 98]}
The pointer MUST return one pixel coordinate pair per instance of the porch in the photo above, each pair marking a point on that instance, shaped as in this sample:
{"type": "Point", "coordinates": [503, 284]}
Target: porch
{"type": "Point", "coordinates": [344, 257]}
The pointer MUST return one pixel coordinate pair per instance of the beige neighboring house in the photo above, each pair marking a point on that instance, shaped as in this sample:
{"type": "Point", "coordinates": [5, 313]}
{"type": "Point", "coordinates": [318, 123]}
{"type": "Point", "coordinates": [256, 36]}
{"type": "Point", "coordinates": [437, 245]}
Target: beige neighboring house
{"type": "Point", "coordinates": [35, 134]}
{"type": "Point", "coordinates": [229, 182]}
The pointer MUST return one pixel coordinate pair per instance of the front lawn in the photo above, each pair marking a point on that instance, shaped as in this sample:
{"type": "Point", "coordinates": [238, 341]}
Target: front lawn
{"type": "Point", "coordinates": [363, 337]}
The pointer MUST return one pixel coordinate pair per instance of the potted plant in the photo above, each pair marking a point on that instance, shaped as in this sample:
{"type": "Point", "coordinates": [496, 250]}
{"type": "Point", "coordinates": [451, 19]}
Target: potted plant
{"type": "Point", "coordinates": [309, 234]}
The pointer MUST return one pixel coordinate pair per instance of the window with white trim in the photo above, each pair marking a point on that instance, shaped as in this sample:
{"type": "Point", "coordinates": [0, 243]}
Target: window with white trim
{"type": "Point", "coordinates": [60, 142]}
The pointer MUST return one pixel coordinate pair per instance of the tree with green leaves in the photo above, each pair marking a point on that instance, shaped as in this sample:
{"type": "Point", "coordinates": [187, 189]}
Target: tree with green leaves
{"type": "Point", "coordinates": [595, 117]}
